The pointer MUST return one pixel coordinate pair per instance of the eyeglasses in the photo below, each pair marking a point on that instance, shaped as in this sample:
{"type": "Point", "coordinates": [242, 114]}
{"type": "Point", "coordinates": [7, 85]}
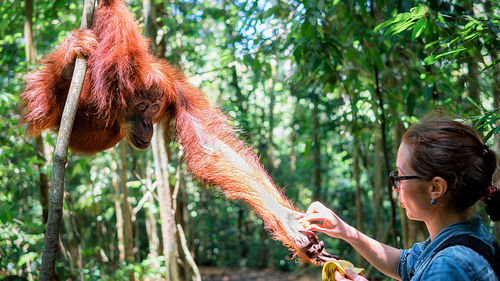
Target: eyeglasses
{"type": "Point", "coordinates": [395, 179]}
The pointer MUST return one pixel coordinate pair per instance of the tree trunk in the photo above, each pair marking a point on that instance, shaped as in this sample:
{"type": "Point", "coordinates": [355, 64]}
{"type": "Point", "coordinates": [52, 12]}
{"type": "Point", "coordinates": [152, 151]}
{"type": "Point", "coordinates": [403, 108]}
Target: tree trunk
{"type": "Point", "coordinates": [359, 203]}
{"type": "Point", "coordinates": [379, 184]}
{"type": "Point", "coordinates": [167, 216]}
{"type": "Point", "coordinates": [179, 197]}
{"type": "Point", "coordinates": [356, 155]}
{"type": "Point", "coordinates": [60, 158]}
{"type": "Point", "coordinates": [151, 227]}
{"type": "Point", "coordinates": [44, 179]}
{"type": "Point", "coordinates": [30, 51]}
{"type": "Point", "coordinates": [74, 238]}
{"type": "Point", "coordinates": [316, 147]}
{"type": "Point", "coordinates": [118, 211]}
{"type": "Point", "coordinates": [102, 234]}
{"type": "Point", "coordinates": [496, 99]}
{"type": "Point", "coordinates": [358, 195]}
{"type": "Point", "coordinates": [380, 108]}
{"type": "Point", "coordinates": [472, 77]}
{"type": "Point", "coordinates": [127, 223]}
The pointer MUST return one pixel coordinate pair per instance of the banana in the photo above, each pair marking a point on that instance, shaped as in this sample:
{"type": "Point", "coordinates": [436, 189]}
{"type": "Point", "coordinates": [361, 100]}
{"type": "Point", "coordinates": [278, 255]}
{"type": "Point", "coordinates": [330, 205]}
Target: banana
{"type": "Point", "coordinates": [328, 272]}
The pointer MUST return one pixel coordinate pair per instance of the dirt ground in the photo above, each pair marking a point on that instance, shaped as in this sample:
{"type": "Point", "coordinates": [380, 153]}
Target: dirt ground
{"type": "Point", "coordinates": [232, 274]}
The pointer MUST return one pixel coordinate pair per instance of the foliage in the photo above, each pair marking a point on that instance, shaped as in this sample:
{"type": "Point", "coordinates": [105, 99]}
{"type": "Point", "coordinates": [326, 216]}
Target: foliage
{"type": "Point", "coordinates": [308, 83]}
{"type": "Point", "coordinates": [473, 34]}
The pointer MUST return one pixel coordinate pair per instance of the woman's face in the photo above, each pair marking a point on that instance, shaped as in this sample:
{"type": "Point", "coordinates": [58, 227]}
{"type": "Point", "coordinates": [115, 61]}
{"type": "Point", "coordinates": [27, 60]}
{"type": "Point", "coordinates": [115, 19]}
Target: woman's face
{"type": "Point", "coordinates": [413, 193]}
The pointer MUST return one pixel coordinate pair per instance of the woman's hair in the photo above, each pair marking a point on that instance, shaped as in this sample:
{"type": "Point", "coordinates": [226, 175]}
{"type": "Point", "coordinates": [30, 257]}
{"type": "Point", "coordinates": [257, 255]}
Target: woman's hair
{"type": "Point", "coordinates": [454, 151]}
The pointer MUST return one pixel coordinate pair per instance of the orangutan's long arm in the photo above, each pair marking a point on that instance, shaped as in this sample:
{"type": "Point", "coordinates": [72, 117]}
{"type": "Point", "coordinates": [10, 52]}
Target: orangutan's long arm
{"type": "Point", "coordinates": [46, 89]}
{"type": "Point", "coordinates": [215, 155]}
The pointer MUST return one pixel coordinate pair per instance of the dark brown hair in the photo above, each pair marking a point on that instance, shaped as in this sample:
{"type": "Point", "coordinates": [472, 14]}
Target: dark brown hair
{"type": "Point", "coordinates": [454, 151]}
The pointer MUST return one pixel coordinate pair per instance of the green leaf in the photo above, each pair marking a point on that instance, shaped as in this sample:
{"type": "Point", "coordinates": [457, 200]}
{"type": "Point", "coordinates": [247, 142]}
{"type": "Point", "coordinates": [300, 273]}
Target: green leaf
{"type": "Point", "coordinates": [472, 36]}
{"type": "Point", "coordinates": [419, 11]}
{"type": "Point", "coordinates": [440, 18]}
{"type": "Point", "coordinates": [419, 28]}
{"type": "Point", "coordinates": [382, 25]}
{"type": "Point", "coordinates": [491, 64]}
{"type": "Point", "coordinates": [400, 27]}
{"type": "Point", "coordinates": [402, 17]}
{"type": "Point", "coordinates": [491, 133]}
{"type": "Point", "coordinates": [469, 25]}
{"type": "Point", "coordinates": [451, 52]}
{"type": "Point", "coordinates": [447, 45]}
{"type": "Point", "coordinates": [473, 20]}
{"type": "Point", "coordinates": [431, 44]}
{"type": "Point", "coordinates": [474, 103]}
{"type": "Point", "coordinates": [430, 60]}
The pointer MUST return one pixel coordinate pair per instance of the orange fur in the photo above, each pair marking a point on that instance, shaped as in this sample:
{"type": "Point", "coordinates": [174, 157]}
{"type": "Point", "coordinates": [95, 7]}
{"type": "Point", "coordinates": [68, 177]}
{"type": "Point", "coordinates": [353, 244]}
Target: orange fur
{"type": "Point", "coordinates": [121, 68]}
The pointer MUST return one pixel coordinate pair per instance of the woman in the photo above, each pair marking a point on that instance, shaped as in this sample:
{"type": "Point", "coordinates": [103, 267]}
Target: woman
{"type": "Point", "coordinates": [442, 169]}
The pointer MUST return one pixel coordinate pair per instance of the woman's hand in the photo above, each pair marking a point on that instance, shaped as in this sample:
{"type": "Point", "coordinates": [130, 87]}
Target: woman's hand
{"type": "Point", "coordinates": [350, 275]}
{"type": "Point", "coordinates": [319, 218]}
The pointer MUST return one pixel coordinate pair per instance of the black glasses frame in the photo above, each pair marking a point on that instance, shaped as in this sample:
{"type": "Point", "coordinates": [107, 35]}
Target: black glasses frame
{"type": "Point", "coordinates": [395, 179]}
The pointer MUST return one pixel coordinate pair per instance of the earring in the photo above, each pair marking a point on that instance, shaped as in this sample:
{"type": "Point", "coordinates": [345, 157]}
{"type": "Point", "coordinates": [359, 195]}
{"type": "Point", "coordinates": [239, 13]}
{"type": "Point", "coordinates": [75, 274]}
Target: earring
{"type": "Point", "coordinates": [433, 202]}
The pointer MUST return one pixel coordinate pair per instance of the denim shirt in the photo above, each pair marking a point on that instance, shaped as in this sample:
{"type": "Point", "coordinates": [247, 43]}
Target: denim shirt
{"type": "Point", "coordinates": [452, 263]}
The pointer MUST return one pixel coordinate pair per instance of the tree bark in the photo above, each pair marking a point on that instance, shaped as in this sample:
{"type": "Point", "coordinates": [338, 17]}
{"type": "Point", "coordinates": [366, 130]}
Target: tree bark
{"type": "Point", "coordinates": [472, 78]}
{"type": "Point", "coordinates": [380, 103]}
{"type": "Point", "coordinates": [356, 171]}
{"type": "Point", "coordinates": [378, 185]}
{"type": "Point", "coordinates": [127, 223]}
{"type": "Point", "coordinates": [73, 236]}
{"type": "Point", "coordinates": [30, 52]}
{"type": "Point", "coordinates": [496, 99]}
{"type": "Point", "coordinates": [60, 159]}
{"type": "Point", "coordinates": [44, 178]}
{"type": "Point", "coordinates": [30, 49]}
{"type": "Point", "coordinates": [151, 227]}
{"type": "Point", "coordinates": [167, 216]}
{"type": "Point", "coordinates": [188, 256]}
{"type": "Point", "coordinates": [118, 211]}
{"type": "Point", "coordinates": [179, 203]}
{"type": "Point", "coordinates": [316, 147]}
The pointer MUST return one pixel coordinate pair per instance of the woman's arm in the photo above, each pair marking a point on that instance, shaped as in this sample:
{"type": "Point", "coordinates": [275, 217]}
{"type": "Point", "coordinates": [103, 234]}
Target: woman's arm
{"type": "Point", "coordinates": [384, 257]}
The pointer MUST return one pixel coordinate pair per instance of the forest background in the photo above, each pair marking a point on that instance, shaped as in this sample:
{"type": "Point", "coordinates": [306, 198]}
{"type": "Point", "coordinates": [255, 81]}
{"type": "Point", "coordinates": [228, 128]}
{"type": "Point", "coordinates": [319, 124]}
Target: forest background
{"type": "Point", "coordinates": [323, 91]}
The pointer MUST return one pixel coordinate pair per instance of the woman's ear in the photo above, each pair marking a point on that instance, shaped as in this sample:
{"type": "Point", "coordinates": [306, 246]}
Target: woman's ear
{"type": "Point", "coordinates": [438, 187]}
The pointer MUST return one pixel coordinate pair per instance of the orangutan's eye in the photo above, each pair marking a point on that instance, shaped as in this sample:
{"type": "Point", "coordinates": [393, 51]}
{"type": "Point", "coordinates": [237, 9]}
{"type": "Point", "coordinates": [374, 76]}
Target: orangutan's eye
{"type": "Point", "coordinates": [155, 108]}
{"type": "Point", "coordinates": [141, 106]}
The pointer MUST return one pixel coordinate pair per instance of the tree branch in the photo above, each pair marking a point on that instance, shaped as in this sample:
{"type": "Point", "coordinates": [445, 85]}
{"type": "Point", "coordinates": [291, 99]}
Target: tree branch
{"type": "Point", "coordinates": [56, 193]}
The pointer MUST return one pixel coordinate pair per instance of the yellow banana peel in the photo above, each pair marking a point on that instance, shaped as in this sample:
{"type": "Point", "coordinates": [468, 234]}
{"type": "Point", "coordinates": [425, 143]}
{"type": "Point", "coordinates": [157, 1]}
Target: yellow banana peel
{"type": "Point", "coordinates": [328, 273]}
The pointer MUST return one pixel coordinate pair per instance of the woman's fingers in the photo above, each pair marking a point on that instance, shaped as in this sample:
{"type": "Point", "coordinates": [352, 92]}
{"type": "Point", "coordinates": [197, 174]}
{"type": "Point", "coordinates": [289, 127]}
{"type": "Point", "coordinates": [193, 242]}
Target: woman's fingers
{"type": "Point", "coordinates": [315, 207]}
{"type": "Point", "coordinates": [338, 276]}
{"type": "Point", "coordinates": [312, 217]}
{"type": "Point", "coordinates": [315, 227]}
{"type": "Point", "coordinates": [353, 275]}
